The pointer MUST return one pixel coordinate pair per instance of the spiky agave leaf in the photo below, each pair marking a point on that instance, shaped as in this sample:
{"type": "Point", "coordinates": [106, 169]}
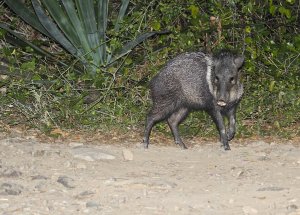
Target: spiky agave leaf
{"type": "Point", "coordinates": [55, 32]}
{"type": "Point", "coordinates": [77, 24]}
{"type": "Point", "coordinates": [102, 25]}
{"type": "Point", "coordinates": [23, 42]}
{"type": "Point", "coordinates": [79, 30]}
{"type": "Point", "coordinates": [121, 14]}
{"type": "Point", "coordinates": [86, 11]}
{"type": "Point", "coordinates": [27, 15]}
{"type": "Point", "coordinates": [18, 40]}
{"type": "Point", "coordinates": [128, 47]}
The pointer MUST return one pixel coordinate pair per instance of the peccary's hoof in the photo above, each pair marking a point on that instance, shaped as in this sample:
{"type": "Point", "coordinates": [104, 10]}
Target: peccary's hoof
{"type": "Point", "coordinates": [227, 147]}
{"type": "Point", "coordinates": [183, 147]}
{"type": "Point", "coordinates": [181, 144]}
{"type": "Point", "coordinates": [230, 135]}
{"type": "Point", "coordinates": [145, 143]}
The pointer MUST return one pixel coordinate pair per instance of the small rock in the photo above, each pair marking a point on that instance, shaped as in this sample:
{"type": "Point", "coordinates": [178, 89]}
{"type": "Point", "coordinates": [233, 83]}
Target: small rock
{"type": "Point", "coordinates": [128, 155]}
{"type": "Point", "coordinates": [86, 211]}
{"type": "Point", "coordinates": [249, 210]}
{"type": "Point", "coordinates": [66, 181]}
{"type": "Point", "coordinates": [81, 166]}
{"type": "Point", "coordinates": [263, 158]}
{"type": "Point", "coordinates": [271, 189]}
{"type": "Point", "coordinates": [90, 154]}
{"type": "Point", "coordinates": [85, 194]}
{"type": "Point", "coordinates": [292, 207]}
{"type": "Point", "coordinates": [155, 184]}
{"type": "Point", "coordinates": [110, 181]}
{"type": "Point", "coordinates": [41, 187]}
{"type": "Point", "coordinates": [240, 173]}
{"type": "Point", "coordinates": [39, 177]}
{"type": "Point", "coordinates": [92, 204]}
{"type": "Point", "coordinates": [38, 153]}
{"type": "Point", "coordinates": [10, 189]}
{"type": "Point", "coordinates": [10, 173]}
{"type": "Point", "coordinates": [176, 208]}
{"type": "Point", "coordinates": [261, 154]}
{"type": "Point", "coordinates": [75, 144]}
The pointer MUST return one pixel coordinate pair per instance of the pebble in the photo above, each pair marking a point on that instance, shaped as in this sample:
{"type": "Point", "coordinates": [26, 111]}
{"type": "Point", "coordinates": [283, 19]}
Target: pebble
{"type": "Point", "coordinates": [90, 154]}
{"type": "Point", "coordinates": [292, 207]}
{"type": "Point", "coordinates": [39, 177]}
{"type": "Point", "coordinates": [81, 166]}
{"type": "Point", "coordinates": [92, 204]}
{"type": "Point", "coordinates": [249, 210]}
{"type": "Point", "coordinates": [271, 189]}
{"type": "Point", "coordinates": [10, 173]}
{"type": "Point", "coordinates": [231, 201]}
{"type": "Point", "coordinates": [85, 194]}
{"type": "Point", "coordinates": [41, 187]}
{"type": "Point", "coordinates": [75, 144]}
{"type": "Point", "coordinates": [127, 155]}
{"type": "Point", "coordinates": [11, 189]}
{"type": "Point", "coordinates": [38, 153]}
{"type": "Point", "coordinates": [240, 173]}
{"type": "Point", "coordinates": [66, 181]}
{"type": "Point", "coordinates": [262, 156]}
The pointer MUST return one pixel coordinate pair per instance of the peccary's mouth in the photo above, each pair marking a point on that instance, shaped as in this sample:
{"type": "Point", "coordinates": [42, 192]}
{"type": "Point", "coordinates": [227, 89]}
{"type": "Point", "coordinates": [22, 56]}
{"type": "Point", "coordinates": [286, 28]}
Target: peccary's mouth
{"type": "Point", "coordinates": [221, 103]}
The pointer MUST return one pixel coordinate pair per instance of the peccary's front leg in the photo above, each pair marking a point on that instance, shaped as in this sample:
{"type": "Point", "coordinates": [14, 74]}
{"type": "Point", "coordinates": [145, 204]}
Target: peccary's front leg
{"type": "Point", "coordinates": [218, 119]}
{"type": "Point", "coordinates": [231, 115]}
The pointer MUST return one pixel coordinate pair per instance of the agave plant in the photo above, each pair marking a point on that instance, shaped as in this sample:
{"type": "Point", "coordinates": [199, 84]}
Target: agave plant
{"type": "Point", "coordinates": [80, 27]}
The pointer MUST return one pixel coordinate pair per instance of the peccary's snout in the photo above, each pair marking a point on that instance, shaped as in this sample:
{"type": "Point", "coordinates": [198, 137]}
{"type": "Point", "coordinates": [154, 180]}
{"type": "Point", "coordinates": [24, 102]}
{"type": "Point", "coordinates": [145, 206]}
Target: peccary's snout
{"type": "Point", "coordinates": [222, 91]}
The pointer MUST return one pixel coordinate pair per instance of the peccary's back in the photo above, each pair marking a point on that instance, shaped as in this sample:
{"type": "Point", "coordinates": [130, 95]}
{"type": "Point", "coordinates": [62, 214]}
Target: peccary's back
{"type": "Point", "coordinates": [183, 80]}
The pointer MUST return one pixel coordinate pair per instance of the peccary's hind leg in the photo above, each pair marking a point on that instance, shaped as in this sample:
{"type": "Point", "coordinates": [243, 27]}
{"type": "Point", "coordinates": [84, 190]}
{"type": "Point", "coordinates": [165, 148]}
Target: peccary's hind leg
{"type": "Point", "coordinates": [149, 124]}
{"type": "Point", "coordinates": [154, 116]}
{"type": "Point", "coordinates": [173, 121]}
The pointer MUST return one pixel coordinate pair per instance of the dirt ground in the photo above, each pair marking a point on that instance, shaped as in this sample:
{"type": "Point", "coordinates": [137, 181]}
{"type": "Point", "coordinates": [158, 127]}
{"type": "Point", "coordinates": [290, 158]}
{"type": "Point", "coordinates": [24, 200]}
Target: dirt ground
{"type": "Point", "coordinates": [109, 175]}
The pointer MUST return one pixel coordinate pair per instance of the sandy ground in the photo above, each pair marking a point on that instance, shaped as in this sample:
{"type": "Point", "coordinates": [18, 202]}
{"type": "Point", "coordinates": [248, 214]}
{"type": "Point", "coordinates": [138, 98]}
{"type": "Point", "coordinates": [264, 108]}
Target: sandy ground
{"type": "Point", "coordinates": [90, 177]}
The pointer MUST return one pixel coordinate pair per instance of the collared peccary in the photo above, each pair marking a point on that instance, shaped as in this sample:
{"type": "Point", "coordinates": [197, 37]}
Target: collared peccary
{"type": "Point", "coordinates": [197, 81]}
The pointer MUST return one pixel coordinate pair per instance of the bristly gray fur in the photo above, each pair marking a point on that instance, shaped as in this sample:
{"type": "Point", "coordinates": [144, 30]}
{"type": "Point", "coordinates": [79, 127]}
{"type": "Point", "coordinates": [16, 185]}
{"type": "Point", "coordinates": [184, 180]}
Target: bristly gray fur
{"type": "Point", "coordinates": [197, 81]}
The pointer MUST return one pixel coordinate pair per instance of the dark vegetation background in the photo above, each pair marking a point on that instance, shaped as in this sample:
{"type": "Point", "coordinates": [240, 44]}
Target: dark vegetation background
{"type": "Point", "coordinates": [39, 92]}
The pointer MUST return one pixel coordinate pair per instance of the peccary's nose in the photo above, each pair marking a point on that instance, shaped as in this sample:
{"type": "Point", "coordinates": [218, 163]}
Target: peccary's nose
{"type": "Point", "coordinates": [221, 103]}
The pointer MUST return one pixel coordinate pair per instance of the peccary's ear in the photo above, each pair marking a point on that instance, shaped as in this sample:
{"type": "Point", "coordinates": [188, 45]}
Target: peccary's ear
{"type": "Point", "coordinates": [239, 61]}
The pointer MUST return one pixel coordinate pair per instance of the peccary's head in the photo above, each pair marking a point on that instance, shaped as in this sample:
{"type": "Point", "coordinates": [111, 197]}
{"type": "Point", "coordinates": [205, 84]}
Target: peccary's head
{"type": "Point", "coordinates": [225, 77]}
